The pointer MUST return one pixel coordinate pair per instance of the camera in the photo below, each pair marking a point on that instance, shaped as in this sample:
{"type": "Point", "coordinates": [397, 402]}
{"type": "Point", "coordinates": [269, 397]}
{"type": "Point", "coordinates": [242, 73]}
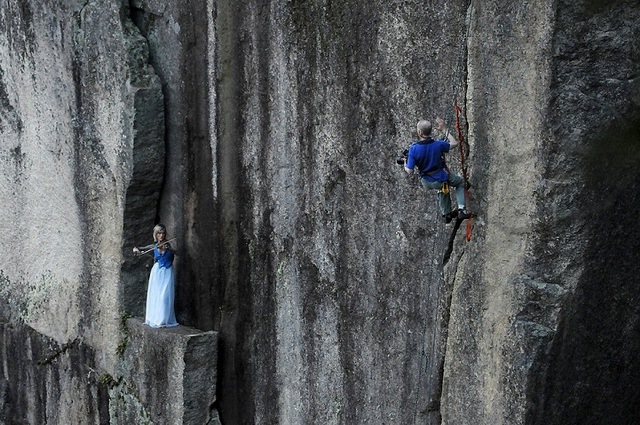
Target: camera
{"type": "Point", "coordinates": [402, 159]}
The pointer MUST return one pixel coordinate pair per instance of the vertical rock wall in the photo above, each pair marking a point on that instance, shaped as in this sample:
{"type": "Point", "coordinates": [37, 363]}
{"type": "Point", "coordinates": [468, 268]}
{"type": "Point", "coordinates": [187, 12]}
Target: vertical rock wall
{"type": "Point", "coordinates": [330, 253]}
{"type": "Point", "coordinates": [595, 178]}
{"type": "Point", "coordinates": [82, 159]}
{"type": "Point", "coordinates": [542, 310]}
{"type": "Point", "coordinates": [300, 240]}
{"type": "Point", "coordinates": [494, 334]}
{"type": "Point", "coordinates": [66, 159]}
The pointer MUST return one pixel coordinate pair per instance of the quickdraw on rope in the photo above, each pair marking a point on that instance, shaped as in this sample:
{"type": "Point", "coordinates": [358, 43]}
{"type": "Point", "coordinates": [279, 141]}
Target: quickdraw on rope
{"type": "Point", "coordinates": [465, 174]}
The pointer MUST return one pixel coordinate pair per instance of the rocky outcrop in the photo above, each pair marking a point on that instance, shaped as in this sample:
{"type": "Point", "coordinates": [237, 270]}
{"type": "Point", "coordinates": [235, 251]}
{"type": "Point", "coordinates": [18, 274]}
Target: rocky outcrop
{"type": "Point", "coordinates": [169, 373]}
{"type": "Point", "coordinates": [47, 382]}
{"type": "Point", "coordinates": [83, 160]}
{"type": "Point", "coordinates": [264, 135]}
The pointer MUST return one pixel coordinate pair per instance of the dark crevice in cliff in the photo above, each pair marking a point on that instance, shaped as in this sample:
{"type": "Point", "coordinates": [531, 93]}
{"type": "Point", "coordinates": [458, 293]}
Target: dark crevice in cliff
{"type": "Point", "coordinates": [133, 12]}
{"type": "Point", "coordinates": [450, 243]}
{"type": "Point", "coordinates": [441, 332]}
{"type": "Point", "coordinates": [56, 353]}
{"type": "Point", "coordinates": [234, 388]}
{"type": "Point", "coordinates": [147, 144]}
{"type": "Point", "coordinates": [82, 177]}
{"type": "Point", "coordinates": [450, 269]}
{"type": "Point", "coordinates": [139, 17]}
{"type": "Point", "coordinates": [8, 113]}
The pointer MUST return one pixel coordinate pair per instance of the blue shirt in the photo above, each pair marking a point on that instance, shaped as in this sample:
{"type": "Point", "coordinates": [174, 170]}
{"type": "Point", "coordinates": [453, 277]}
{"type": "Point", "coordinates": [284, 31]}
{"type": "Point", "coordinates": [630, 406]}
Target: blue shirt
{"type": "Point", "coordinates": [164, 260]}
{"type": "Point", "coordinates": [427, 155]}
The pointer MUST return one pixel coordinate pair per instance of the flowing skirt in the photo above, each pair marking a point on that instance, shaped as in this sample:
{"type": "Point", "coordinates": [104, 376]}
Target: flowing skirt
{"type": "Point", "coordinates": [160, 294]}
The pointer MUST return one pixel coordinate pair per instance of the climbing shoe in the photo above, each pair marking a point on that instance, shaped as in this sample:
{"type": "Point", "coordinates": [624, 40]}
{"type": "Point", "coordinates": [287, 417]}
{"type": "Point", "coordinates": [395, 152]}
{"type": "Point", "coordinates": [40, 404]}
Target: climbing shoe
{"type": "Point", "coordinates": [450, 216]}
{"type": "Point", "coordinates": [463, 215]}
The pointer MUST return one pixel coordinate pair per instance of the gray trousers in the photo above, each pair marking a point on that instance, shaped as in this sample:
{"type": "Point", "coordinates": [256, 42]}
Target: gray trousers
{"type": "Point", "coordinates": [444, 200]}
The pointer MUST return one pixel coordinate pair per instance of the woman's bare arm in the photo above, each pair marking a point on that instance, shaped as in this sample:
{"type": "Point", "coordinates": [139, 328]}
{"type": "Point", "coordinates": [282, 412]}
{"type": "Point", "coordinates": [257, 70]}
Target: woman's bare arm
{"type": "Point", "coordinates": [138, 249]}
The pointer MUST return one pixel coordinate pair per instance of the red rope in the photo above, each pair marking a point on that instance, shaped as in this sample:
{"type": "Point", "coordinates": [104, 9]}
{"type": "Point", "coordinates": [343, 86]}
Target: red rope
{"type": "Point", "coordinates": [465, 175]}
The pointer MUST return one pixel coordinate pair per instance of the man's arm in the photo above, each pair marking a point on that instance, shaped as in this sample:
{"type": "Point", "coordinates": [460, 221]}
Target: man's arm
{"type": "Point", "coordinates": [409, 163]}
{"type": "Point", "coordinates": [452, 140]}
{"type": "Point", "coordinates": [440, 126]}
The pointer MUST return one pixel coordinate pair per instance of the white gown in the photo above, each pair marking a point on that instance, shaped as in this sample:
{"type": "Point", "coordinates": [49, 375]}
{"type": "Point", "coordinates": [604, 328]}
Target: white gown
{"type": "Point", "coordinates": [160, 294]}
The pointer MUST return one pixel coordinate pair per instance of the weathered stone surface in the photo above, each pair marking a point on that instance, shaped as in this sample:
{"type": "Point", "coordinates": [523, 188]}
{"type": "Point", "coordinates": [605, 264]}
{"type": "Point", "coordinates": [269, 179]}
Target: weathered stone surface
{"type": "Point", "coordinates": [313, 255]}
{"type": "Point", "coordinates": [330, 267]}
{"type": "Point", "coordinates": [42, 381]}
{"type": "Point", "coordinates": [167, 376]}
{"type": "Point", "coordinates": [542, 303]}
{"type": "Point", "coordinates": [82, 164]}
{"type": "Point", "coordinates": [90, 101]}
{"type": "Point", "coordinates": [593, 359]}
{"type": "Point", "coordinates": [172, 371]}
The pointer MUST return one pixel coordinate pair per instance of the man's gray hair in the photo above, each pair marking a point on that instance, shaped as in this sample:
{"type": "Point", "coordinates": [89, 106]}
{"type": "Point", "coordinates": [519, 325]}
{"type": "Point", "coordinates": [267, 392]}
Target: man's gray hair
{"type": "Point", "coordinates": [424, 128]}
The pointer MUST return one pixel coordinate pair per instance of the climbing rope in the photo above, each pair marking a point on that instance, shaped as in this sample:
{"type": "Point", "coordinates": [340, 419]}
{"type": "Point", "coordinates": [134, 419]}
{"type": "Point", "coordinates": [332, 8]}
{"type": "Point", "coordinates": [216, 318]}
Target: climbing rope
{"type": "Point", "coordinates": [465, 176]}
{"type": "Point", "coordinates": [463, 165]}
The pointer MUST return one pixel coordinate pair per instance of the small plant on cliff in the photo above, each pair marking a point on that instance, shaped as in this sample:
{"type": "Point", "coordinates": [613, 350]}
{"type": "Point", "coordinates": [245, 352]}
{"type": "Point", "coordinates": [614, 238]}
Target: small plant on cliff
{"type": "Point", "coordinates": [122, 345]}
{"type": "Point", "coordinates": [106, 379]}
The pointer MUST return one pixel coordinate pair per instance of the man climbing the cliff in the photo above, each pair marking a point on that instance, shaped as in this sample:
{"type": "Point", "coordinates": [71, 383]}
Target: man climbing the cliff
{"type": "Point", "coordinates": [427, 154]}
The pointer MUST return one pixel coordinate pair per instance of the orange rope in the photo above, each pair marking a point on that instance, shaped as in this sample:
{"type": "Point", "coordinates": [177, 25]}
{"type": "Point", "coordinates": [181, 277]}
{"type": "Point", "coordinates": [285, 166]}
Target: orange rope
{"type": "Point", "coordinates": [465, 175]}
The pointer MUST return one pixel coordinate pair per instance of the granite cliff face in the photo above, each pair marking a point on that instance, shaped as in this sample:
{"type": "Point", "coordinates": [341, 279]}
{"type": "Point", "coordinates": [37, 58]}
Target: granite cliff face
{"type": "Point", "coordinates": [264, 135]}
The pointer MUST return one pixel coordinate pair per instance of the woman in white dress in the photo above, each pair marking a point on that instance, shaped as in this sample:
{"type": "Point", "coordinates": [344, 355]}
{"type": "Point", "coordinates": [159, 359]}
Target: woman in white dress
{"type": "Point", "coordinates": [161, 290]}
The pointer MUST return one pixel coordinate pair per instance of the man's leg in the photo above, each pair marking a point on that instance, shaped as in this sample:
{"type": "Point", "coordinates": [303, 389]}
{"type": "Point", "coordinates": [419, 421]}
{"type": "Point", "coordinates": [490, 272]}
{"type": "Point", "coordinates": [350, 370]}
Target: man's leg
{"type": "Point", "coordinates": [458, 182]}
{"type": "Point", "coordinates": [444, 201]}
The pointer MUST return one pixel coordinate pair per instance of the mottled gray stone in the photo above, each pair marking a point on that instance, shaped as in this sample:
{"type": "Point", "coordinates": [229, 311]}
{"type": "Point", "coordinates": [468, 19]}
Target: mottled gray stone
{"type": "Point", "coordinates": [42, 381]}
{"type": "Point", "coordinates": [301, 242]}
{"type": "Point", "coordinates": [171, 371]}
{"type": "Point", "coordinates": [533, 337]}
